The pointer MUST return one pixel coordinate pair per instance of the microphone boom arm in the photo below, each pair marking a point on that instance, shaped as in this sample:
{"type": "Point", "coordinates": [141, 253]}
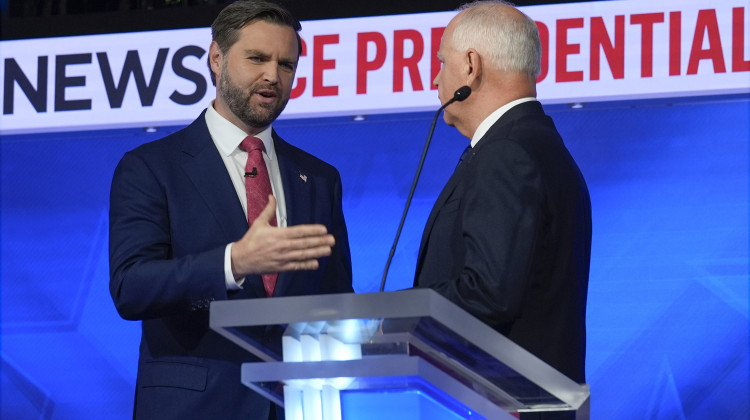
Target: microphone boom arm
{"type": "Point", "coordinates": [460, 94]}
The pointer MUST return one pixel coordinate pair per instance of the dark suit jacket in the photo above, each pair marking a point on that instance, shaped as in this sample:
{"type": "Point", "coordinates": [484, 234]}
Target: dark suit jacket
{"type": "Point", "coordinates": [173, 210]}
{"type": "Point", "coordinates": [509, 239]}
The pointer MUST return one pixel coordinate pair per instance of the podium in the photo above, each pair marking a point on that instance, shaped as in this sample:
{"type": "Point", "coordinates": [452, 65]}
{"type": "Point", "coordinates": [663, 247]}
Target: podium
{"type": "Point", "coordinates": [409, 354]}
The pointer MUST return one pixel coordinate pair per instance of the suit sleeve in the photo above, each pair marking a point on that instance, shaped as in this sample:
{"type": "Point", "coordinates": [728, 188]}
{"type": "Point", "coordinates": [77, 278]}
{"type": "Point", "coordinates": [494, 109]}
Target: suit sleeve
{"type": "Point", "coordinates": [501, 213]}
{"type": "Point", "coordinates": [146, 279]}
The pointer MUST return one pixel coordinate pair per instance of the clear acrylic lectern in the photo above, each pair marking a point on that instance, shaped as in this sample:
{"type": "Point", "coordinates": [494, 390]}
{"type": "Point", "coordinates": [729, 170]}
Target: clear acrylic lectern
{"type": "Point", "coordinates": [409, 354]}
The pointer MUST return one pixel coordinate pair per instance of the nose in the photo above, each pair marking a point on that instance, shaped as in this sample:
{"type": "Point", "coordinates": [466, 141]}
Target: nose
{"type": "Point", "coordinates": [435, 81]}
{"type": "Point", "coordinates": [271, 72]}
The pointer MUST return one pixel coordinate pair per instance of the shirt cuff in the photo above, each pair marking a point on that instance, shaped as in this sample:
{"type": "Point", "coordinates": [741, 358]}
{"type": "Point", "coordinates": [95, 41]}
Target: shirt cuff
{"type": "Point", "coordinates": [231, 283]}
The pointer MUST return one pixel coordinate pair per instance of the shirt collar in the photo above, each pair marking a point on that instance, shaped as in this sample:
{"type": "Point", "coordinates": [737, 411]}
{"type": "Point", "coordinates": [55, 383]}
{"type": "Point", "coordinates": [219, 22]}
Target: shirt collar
{"type": "Point", "coordinates": [228, 136]}
{"type": "Point", "coordinates": [492, 119]}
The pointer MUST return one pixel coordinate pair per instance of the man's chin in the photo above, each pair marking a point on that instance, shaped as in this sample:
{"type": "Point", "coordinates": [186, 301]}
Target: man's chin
{"type": "Point", "coordinates": [261, 118]}
{"type": "Point", "coordinates": [449, 120]}
{"type": "Point", "coordinates": [268, 109]}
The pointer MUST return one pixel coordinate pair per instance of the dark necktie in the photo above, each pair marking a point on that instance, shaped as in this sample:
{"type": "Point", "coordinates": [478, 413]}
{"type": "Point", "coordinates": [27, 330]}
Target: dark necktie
{"type": "Point", "coordinates": [464, 155]}
{"type": "Point", "coordinates": [257, 189]}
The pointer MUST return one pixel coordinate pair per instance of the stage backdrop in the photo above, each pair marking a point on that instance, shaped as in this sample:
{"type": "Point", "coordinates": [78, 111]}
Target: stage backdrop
{"type": "Point", "coordinates": [668, 299]}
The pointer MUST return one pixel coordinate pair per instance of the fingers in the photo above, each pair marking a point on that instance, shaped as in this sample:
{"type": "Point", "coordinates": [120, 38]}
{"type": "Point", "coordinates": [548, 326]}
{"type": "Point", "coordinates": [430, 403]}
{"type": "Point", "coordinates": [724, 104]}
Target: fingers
{"type": "Point", "coordinates": [302, 253]}
{"type": "Point", "coordinates": [301, 265]}
{"type": "Point", "coordinates": [303, 245]}
{"type": "Point", "coordinates": [306, 236]}
{"type": "Point", "coordinates": [269, 249]}
{"type": "Point", "coordinates": [307, 253]}
{"type": "Point", "coordinates": [304, 231]}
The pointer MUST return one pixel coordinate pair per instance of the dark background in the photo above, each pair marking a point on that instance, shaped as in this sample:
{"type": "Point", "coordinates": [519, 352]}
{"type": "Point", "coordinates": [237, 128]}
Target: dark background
{"type": "Point", "coordinates": [50, 18]}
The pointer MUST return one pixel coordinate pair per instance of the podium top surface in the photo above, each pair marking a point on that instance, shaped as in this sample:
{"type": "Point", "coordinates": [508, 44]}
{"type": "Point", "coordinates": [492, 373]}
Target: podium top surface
{"type": "Point", "coordinates": [414, 322]}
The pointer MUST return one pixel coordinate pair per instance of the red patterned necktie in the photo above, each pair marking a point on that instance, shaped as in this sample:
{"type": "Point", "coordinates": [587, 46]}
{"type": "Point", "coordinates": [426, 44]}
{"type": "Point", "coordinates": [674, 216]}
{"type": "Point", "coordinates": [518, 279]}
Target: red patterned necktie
{"type": "Point", "coordinates": [257, 189]}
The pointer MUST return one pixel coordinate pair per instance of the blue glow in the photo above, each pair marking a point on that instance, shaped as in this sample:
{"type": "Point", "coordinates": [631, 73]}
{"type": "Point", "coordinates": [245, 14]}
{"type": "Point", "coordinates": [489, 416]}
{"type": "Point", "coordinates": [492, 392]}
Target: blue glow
{"type": "Point", "coordinates": [394, 405]}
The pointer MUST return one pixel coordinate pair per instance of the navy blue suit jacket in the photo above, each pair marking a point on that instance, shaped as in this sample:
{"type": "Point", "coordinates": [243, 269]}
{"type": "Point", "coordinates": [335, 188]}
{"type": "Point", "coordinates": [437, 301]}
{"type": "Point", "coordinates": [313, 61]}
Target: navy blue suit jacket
{"type": "Point", "coordinates": [173, 210]}
{"type": "Point", "coordinates": [509, 239]}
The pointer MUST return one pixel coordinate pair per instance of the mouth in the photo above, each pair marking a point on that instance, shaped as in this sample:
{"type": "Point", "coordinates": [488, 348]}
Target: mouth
{"type": "Point", "coordinates": [266, 96]}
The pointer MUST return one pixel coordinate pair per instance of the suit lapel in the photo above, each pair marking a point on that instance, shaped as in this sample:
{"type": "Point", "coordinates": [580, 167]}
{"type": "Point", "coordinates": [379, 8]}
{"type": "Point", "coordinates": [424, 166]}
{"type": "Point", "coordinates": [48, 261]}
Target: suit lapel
{"type": "Point", "coordinates": [298, 193]}
{"type": "Point", "coordinates": [206, 171]}
{"type": "Point", "coordinates": [446, 193]}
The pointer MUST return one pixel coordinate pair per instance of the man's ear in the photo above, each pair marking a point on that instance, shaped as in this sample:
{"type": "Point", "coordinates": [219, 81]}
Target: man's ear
{"type": "Point", "coordinates": [215, 57]}
{"type": "Point", "coordinates": [473, 68]}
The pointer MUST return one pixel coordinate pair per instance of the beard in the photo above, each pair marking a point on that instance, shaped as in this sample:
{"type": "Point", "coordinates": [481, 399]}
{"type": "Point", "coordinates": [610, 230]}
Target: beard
{"type": "Point", "coordinates": [239, 102]}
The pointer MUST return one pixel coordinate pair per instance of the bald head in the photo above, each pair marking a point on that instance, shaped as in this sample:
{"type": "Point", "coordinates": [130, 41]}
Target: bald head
{"type": "Point", "coordinates": [506, 38]}
{"type": "Point", "coordinates": [494, 49]}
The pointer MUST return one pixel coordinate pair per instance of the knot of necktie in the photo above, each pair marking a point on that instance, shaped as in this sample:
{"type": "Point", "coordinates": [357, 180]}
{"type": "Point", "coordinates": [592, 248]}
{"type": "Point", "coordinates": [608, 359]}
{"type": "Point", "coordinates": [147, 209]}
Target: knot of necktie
{"type": "Point", "coordinates": [251, 143]}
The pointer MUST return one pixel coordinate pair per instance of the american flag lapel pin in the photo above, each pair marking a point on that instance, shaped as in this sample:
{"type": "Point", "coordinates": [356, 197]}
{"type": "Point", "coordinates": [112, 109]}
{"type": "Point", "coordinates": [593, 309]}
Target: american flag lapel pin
{"type": "Point", "coordinates": [303, 177]}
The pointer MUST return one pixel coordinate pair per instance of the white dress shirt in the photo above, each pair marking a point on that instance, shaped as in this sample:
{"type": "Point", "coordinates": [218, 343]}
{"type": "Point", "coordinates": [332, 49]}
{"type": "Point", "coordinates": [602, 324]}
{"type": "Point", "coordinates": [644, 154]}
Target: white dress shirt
{"type": "Point", "coordinates": [227, 138]}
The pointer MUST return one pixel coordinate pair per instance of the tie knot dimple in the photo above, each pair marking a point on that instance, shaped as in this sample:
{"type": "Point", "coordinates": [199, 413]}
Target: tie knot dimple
{"type": "Point", "coordinates": [251, 143]}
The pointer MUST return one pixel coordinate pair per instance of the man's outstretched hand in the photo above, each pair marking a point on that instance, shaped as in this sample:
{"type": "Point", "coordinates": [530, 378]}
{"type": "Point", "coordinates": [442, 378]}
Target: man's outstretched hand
{"type": "Point", "coordinates": [271, 249]}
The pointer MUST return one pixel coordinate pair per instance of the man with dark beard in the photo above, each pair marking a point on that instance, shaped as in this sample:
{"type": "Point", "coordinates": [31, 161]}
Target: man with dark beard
{"type": "Point", "coordinates": [223, 209]}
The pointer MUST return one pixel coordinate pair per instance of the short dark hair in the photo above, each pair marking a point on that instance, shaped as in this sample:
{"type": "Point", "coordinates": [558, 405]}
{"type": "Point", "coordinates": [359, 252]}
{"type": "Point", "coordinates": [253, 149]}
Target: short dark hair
{"type": "Point", "coordinates": [241, 13]}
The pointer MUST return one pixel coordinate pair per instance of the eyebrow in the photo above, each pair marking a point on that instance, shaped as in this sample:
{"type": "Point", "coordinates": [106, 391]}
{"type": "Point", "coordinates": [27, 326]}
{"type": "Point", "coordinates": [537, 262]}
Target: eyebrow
{"type": "Point", "coordinates": [266, 56]}
{"type": "Point", "coordinates": [256, 53]}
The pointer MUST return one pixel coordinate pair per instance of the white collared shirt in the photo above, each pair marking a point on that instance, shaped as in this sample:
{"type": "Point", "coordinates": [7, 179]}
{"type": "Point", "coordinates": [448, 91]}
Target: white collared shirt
{"type": "Point", "coordinates": [227, 138]}
{"type": "Point", "coordinates": [492, 119]}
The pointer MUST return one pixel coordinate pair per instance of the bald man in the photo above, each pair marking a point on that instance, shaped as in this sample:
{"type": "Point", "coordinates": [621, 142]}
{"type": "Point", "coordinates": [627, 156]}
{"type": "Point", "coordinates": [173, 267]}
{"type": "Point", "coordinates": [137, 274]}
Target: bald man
{"type": "Point", "coordinates": [509, 237]}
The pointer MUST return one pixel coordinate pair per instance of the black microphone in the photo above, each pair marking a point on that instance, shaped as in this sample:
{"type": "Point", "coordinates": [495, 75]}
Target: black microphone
{"type": "Point", "coordinates": [462, 93]}
{"type": "Point", "coordinates": [252, 174]}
